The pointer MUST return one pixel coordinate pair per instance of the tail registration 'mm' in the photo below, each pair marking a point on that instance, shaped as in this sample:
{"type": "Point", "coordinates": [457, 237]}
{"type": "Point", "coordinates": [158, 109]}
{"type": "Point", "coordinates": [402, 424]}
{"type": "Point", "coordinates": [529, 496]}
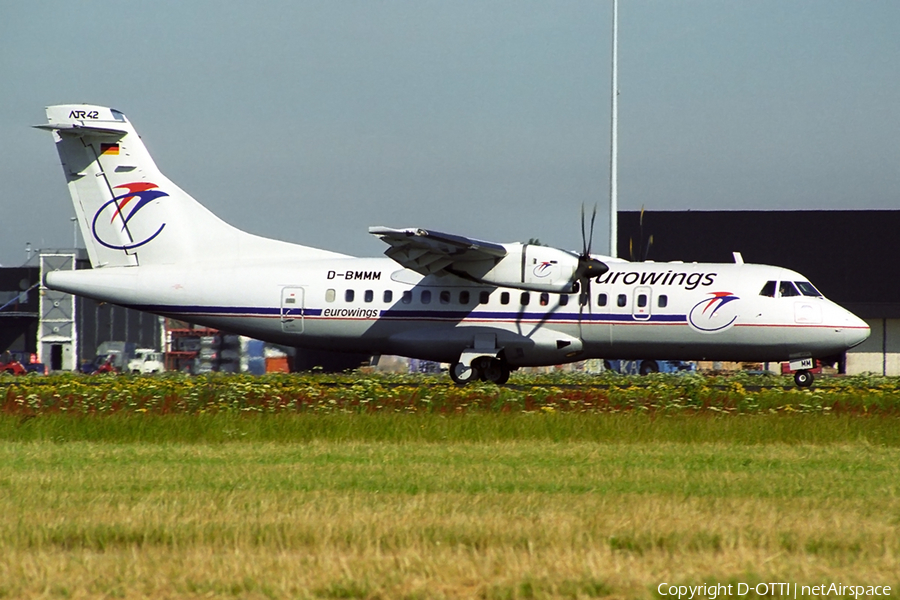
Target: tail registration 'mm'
{"type": "Point", "coordinates": [112, 225]}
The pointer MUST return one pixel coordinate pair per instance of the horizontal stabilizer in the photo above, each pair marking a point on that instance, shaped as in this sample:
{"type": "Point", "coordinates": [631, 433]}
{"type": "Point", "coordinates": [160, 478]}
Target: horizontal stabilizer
{"type": "Point", "coordinates": [75, 130]}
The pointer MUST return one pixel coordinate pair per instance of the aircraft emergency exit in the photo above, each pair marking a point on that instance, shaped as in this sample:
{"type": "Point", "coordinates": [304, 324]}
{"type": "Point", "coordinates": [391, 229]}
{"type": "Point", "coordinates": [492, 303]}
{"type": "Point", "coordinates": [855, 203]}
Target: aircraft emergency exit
{"type": "Point", "coordinates": [486, 308]}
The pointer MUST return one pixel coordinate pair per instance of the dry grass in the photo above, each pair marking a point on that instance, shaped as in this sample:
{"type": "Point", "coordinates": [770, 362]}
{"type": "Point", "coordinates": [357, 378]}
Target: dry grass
{"type": "Point", "coordinates": [424, 520]}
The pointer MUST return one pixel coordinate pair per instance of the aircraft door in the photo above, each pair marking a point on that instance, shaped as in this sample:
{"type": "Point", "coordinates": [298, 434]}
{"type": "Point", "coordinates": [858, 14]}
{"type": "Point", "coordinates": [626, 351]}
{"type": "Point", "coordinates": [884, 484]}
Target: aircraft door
{"type": "Point", "coordinates": [292, 309]}
{"type": "Point", "coordinates": [641, 303]}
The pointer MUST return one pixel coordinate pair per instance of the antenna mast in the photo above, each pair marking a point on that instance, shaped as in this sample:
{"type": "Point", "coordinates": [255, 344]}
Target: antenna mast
{"type": "Point", "coordinates": [614, 141]}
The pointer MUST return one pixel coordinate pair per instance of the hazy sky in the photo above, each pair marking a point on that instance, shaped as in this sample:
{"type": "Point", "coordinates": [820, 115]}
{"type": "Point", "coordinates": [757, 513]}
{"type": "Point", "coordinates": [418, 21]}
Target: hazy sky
{"type": "Point", "coordinates": [309, 121]}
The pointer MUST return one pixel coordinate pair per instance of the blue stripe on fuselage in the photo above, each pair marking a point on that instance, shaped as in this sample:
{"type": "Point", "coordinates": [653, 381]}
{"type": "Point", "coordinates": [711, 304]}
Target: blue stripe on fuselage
{"type": "Point", "coordinates": [402, 314]}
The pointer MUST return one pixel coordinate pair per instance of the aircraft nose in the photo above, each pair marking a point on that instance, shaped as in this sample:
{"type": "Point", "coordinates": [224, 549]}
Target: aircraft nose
{"type": "Point", "coordinates": [856, 331]}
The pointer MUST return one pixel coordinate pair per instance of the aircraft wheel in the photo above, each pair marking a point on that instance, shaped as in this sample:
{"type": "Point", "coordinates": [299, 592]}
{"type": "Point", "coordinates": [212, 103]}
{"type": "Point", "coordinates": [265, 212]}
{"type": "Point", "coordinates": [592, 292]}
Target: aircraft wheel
{"type": "Point", "coordinates": [803, 378]}
{"type": "Point", "coordinates": [495, 371]}
{"type": "Point", "coordinates": [649, 366]}
{"type": "Point", "coordinates": [461, 374]}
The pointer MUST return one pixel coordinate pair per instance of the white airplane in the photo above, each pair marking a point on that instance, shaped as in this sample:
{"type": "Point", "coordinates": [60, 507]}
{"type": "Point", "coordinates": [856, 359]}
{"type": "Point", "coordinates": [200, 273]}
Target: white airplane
{"type": "Point", "coordinates": [485, 308]}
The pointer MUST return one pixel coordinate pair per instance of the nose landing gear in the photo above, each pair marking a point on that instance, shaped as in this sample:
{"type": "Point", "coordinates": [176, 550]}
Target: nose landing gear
{"type": "Point", "coordinates": [801, 367]}
{"type": "Point", "coordinates": [803, 378]}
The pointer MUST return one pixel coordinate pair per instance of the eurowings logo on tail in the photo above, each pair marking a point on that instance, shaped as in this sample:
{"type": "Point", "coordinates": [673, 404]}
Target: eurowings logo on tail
{"type": "Point", "coordinates": [714, 314]}
{"type": "Point", "coordinates": [120, 211]}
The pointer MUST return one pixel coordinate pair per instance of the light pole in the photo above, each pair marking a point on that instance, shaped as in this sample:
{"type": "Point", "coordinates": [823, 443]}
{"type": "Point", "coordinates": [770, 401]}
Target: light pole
{"type": "Point", "coordinates": [614, 138]}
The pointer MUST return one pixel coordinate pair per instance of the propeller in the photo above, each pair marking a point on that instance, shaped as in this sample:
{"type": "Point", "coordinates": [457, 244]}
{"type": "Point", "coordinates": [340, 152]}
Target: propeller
{"type": "Point", "coordinates": [588, 267]}
{"type": "Point", "coordinates": [643, 251]}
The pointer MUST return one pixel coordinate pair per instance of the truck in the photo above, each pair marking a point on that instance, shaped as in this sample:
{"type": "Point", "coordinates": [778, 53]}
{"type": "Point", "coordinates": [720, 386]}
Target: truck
{"type": "Point", "coordinates": [102, 363]}
{"type": "Point", "coordinates": [146, 361]}
{"type": "Point", "coordinates": [115, 355]}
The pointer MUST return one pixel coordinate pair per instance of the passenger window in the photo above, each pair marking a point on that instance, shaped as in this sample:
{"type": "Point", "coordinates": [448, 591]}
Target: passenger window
{"type": "Point", "coordinates": [602, 299]}
{"type": "Point", "coordinates": [808, 289]}
{"type": "Point", "coordinates": [484, 297]}
{"type": "Point", "coordinates": [787, 289]}
{"type": "Point", "coordinates": [622, 300]}
{"type": "Point", "coordinates": [662, 301]}
{"type": "Point", "coordinates": [545, 299]}
{"type": "Point", "coordinates": [525, 298]}
{"type": "Point", "coordinates": [388, 296]}
{"type": "Point", "coordinates": [445, 297]}
{"type": "Point", "coordinates": [329, 295]}
{"type": "Point", "coordinates": [583, 299]}
{"type": "Point", "coordinates": [349, 295]}
{"type": "Point", "coordinates": [563, 299]}
{"type": "Point", "coordinates": [426, 296]}
{"type": "Point", "coordinates": [504, 298]}
{"type": "Point", "coordinates": [369, 295]}
{"type": "Point", "coordinates": [464, 297]}
{"type": "Point", "coordinates": [768, 289]}
{"type": "Point", "coordinates": [406, 298]}
{"type": "Point", "coordinates": [642, 300]}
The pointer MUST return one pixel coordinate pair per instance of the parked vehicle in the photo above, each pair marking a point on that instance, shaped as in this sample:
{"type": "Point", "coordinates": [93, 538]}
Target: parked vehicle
{"type": "Point", "coordinates": [646, 367]}
{"type": "Point", "coordinates": [102, 363]}
{"type": "Point", "coordinates": [11, 367]}
{"type": "Point", "coordinates": [146, 361]}
{"type": "Point", "coordinates": [21, 363]}
{"type": "Point", "coordinates": [118, 353]}
{"type": "Point", "coordinates": [28, 361]}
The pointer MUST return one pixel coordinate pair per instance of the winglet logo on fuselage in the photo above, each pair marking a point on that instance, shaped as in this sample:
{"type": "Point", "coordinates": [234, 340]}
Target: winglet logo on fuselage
{"type": "Point", "coordinates": [711, 315]}
{"type": "Point", "coordinates": [543, 269]}
{"type": "Point", "coordinates": [120, 211]}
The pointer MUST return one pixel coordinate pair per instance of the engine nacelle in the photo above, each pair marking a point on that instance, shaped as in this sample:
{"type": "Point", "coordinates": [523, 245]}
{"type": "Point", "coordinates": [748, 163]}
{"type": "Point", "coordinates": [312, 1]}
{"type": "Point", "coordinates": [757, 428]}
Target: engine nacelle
{"type": "Point", "coordinates": [526, 267]}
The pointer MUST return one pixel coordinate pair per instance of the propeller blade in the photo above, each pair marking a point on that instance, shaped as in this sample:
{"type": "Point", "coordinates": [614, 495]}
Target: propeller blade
{"type": "Point", "coordinates": [580, 311]}
{"type": "Point", "coordinates": [584, 248]}
{"type": "Point", "coordinates": [584, 297]}
{"type": "Point", "coordinates": [587, 269]}
{"type": "Point", "coordinates": [649, 245]}
{"type": "Point", "coordinates": [587, 251]}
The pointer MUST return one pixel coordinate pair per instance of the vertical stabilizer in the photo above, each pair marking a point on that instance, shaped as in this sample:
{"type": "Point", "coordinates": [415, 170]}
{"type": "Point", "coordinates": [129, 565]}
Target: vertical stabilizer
{"type": "Point", "coordinates": [130, 214]}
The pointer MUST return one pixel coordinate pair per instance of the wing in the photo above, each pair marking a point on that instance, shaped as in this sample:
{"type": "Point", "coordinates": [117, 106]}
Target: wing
{"type": "Point", "coordinates": [430, 252]}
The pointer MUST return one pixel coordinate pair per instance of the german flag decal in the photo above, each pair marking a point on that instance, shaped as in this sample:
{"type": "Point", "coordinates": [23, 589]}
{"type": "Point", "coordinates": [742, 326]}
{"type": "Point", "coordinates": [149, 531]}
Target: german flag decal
{"type": "Point", "coordinates": [112, 149]}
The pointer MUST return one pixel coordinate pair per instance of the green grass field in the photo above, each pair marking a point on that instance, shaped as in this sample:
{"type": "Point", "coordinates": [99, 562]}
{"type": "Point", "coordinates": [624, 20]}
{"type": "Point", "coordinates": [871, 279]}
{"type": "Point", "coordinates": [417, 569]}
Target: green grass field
{"type": "Point", "coordinates": [552, 500]}
{"type": "Point", "coordinates": [447, 513]}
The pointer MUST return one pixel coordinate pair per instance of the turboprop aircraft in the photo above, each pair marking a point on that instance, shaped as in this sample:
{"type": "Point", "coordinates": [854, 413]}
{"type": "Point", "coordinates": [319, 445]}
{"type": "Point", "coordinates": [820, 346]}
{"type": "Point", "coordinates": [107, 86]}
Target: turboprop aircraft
{"type": "Point", "coordinates": [486, 308]}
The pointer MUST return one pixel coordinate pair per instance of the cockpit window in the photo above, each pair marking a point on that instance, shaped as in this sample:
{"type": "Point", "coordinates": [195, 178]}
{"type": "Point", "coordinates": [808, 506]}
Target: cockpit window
{"type": "Point", "coordinates": [808, 289]}
{"type": "Point", "coordinates": [768, 289]}
{"type": "Point", "coordinates": [786, 288]}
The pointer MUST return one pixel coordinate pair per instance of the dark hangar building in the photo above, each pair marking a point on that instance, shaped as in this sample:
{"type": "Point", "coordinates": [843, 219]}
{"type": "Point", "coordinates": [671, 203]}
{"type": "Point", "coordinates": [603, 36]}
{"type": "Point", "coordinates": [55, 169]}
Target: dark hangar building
{"type": "Point", "coordinates": [852, 256]}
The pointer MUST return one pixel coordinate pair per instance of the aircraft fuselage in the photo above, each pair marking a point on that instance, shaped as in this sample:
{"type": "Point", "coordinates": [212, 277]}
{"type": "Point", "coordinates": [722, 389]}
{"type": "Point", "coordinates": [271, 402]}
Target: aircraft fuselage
{"type": "Point", "coordinates": [689, 311]}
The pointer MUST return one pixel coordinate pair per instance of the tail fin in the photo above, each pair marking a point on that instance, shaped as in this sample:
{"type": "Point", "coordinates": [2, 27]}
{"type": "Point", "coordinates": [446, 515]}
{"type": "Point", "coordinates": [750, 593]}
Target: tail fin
{"type": "Point", "coordinates": [129, 212]}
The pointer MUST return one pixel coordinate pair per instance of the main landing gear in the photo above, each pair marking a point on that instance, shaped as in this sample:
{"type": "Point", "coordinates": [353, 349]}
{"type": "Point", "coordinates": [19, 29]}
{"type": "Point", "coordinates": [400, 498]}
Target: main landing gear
{"type": "Point", "coordinates": [486, 368]}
